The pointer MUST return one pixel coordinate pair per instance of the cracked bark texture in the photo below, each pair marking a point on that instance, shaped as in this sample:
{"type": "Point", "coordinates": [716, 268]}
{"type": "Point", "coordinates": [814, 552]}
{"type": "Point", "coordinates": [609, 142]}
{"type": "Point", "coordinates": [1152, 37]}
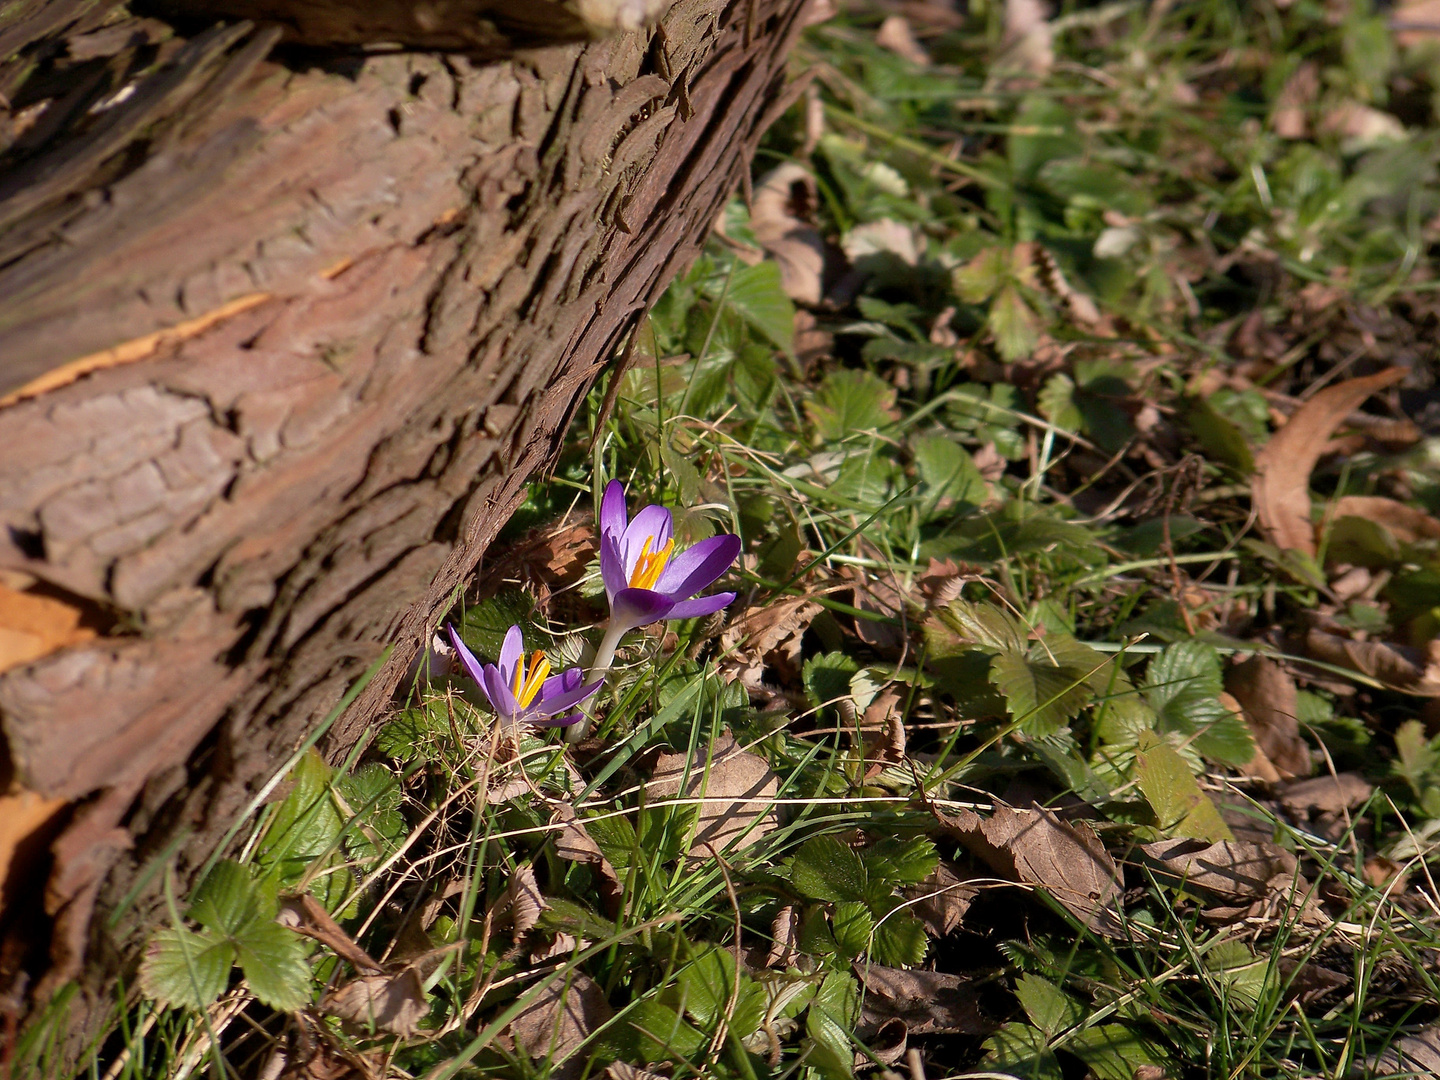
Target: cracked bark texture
{"type": "Point", "coordinates": [283, 334]}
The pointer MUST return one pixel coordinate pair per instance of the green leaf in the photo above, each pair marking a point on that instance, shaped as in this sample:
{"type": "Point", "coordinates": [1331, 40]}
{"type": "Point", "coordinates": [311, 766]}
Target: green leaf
{"type": "Point", "coordinates": [983, 276]}
{"type": "Point", "coordinates": [849, 402]}
{"type": "Point", "coordinates": [826, 869]}
{"type": "Point", "coordinates": [275, 965]}
{"type": "Point", "coordinates": [1181, 808]}
{"type": "Point", "coordinates": [1183, 685]}
{"type": "Point", "coordinates": [485, 624]}
{"type": "Point", "coordinates": [1112, 1051]}
{"type": "Point", "coordinates": [963, 624]}
{"type": "Point", "coordinates": [225, 901]}
{"type": "Point", "coordinates": [901, 862]}
{"type": "Point", "coordinates": [827, 678]}
{"type": "Point", "coordinates": [829, 1021]}
{"type": "Point", "coordinates": [756, 293]}
{"type": "Point", "coordinates": [373, 793]}
{"type": "Point", "coordinates": [899, 939]}
{"type": "Point", "coordinates": [652, 1031]}
{"type": "Point", "coordinates": [1021, 1051]}
{"type": "Point", "coordinates": [1057, 403]}
{"type": "Point", "coordinates": [1015, 325]}
{"type": "Point", "coordinates": [306, 824]}
{"type": "Point", "coordinates": [1221, 437]}
{"type": "Point", "coordinates": [185, 969]}
{"type": "Point", "coordinates": [416, 733]}
{"type": "Point", "coordinates": [948, 472]}
{"type": "Point", "coordinates": [1049, 1008]}
{"type": "Point", "coordinates": [852, 923]}
{"type": "Point", "coordinates": [1043, 695]}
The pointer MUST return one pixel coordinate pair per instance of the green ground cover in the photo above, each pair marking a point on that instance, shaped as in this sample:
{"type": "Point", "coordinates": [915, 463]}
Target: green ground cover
{"type": "Point", "coordinates": [1070, 385]}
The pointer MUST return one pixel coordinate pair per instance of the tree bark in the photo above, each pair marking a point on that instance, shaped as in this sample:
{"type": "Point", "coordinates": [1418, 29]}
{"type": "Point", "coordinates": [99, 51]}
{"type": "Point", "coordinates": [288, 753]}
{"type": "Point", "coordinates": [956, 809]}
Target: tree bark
{"type": "Point", "coordinates": [283, 333]}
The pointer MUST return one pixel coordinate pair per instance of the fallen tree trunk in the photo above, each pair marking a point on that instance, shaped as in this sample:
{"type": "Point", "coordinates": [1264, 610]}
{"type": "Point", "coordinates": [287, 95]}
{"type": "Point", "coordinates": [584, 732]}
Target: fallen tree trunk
{"type": "Point", "coordinates": [283, 332]}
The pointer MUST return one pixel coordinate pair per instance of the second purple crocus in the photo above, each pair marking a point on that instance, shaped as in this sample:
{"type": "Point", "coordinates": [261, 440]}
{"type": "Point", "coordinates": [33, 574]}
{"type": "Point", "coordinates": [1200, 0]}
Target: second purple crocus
{"type": "Point", "coordinates": [526, 693]}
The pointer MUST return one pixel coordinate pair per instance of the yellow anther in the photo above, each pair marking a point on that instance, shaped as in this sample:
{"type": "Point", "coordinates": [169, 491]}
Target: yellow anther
{"type": "Point", "coordinates": [524, 688]}
{"type": "Point", "coordinates": [649, 566]}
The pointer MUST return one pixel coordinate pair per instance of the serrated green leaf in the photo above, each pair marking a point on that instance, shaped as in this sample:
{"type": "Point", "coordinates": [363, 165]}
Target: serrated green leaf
{"type": "Point", "coordinates": [274, 962]}
{"type": "Point", "coordinates": [1057, 403]}
{"type": "Point", "coordinates": [899, 939]}
{"type": "Point", "coordinates": [1015, 325]}
{"type": "Point", "coordinates": [849, 402]}
{"type": "Point", "coordinates": [827, 678]}
{"type": "Point", "coordinates": [1021, 1051]}
{"type": "Point", "coordinates": [757, 295]}
{"type": "Point", "coordinates": [415, 733]}
{"type": "Point", "coordinates": [1181, 808]}
{"type": "Point", "coordinates": [826, 869]}
{"type": "Point", "coordinates": [1220, 436]}
{"type": "Point", "coordinates": [652, 1031]}
{"type": "Point", "coordinates": [1183, 685]}
{"type": "Point", "coordinates": [183, 968]}
{"type": "Point", "coordinates": [852, 923]}
{"type": "Point", "coordinates": [948, 472]}
{"type": "Point", "coordinates": [225, 901]}
{"type": "Point", "coordinates": [306, 824]}
{"type": "Point", "coordinates": [963, 625]}
{"type": "Point", "coordinates": [901, 862]}
{"type": "Point", "coordinates": [1049, 1008]}
{"type": "Point", "coordinates": [485, 624]}
{"type": "Point", "coordinates": [831, 1017]}
{"type": "Point", "coordinates": [707, 985]}
{"type": "Point", "coordinates": [373, 794]}
{"type": "Point", "coordinates": [1112, 1051]}
{"type": "Point", "coordinates": [1042, 695]}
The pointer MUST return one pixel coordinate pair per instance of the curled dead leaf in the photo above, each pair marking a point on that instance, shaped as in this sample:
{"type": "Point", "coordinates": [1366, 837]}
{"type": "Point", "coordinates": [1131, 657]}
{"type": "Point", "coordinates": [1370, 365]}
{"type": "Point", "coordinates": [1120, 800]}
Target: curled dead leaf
{"type": "Point", "coordinates": [1037, 847]}
{"type": "Point", "coordinates": [394, 1003]}
{"type": "Point", "coordinates": [574, 843]}
{"type": "Point", "coordinates": [784, 934]}
{"type": "Point", "coordinates": [780, 210]}
{"type": "Point", "coordinates": [306, 915]}
{"type": "Point", "coordinates": [1280, 489]}
{"type": "Point", "coordinates": [738, 788]}
{"type": "Point", "coordinates": [522, 902]}
{"type": "Point", "coordinates": [1415, 671]}
{"type": "Point", "coordinates": [1414, 1055]}
{"type": "Point", "coordinates": [1326, 794]}
{"type": "Point", "coordinates": [941, 900]}
{"type": "Point", "coordinates": [929, 1002]}
{"type": "Point", "coordinates": [1231, 870]}
{"type": "Point", "coordinates": [1270, 702]}
{"type": "Point", "coordinates": [561, 1018]}
{"type": "Point", "coordinates": [1405, 523]}
{"type": "Point", "coordinates": [766, 635]}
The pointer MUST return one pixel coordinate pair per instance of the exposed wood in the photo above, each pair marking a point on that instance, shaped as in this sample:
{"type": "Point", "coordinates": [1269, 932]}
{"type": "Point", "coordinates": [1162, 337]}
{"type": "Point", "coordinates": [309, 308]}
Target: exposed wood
{"type": "Point", "coordinates": [302, 330]}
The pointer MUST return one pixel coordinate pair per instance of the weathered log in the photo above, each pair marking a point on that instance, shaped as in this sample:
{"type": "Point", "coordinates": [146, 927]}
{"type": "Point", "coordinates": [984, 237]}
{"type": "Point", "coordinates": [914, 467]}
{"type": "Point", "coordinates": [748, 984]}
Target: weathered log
{"type": "Point", "coordinates": [282, 336]}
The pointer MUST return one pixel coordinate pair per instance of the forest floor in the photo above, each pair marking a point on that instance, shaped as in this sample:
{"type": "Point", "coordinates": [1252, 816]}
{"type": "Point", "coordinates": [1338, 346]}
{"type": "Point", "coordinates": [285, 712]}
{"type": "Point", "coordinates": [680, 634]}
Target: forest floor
{"type": "Point", "coordinates": [1071, 385]}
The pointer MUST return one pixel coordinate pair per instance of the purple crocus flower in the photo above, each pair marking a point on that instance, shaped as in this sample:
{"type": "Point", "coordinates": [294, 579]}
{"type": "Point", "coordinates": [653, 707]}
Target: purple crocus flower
{"type": "Point", "coordinates": [645, 579]}
{"type": "Point", "coordinates": [523, 693]}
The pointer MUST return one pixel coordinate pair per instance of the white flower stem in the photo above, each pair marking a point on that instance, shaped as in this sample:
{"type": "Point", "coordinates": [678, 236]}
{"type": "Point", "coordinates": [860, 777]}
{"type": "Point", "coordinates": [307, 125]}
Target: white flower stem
{"type": "Point", "coordinates": [599, 669]}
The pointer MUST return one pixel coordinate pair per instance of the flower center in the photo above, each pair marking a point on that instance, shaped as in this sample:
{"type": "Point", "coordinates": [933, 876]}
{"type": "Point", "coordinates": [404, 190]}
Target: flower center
{"type": "Point", "coordinates": [525, 688]}
{"type": "Point", "coordinates": [650, 565]}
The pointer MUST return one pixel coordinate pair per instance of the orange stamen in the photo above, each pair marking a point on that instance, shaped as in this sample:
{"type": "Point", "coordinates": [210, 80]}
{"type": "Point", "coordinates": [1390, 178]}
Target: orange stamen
{"type": "Point", "coordinates": [525, 688]}
{"type": "Point", "coordinates": [649, 566]}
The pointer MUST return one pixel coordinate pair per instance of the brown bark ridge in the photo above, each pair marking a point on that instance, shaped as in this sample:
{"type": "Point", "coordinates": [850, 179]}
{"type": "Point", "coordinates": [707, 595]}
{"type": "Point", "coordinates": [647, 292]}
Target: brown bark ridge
{"type": "Point", "coordinates": [282, 336]}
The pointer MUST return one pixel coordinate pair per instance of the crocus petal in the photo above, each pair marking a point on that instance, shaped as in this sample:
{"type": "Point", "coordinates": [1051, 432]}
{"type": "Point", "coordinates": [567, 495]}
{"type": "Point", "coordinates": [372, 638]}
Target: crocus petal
{"type": "Point", "coordinates": [612, 510]}
{"type": "Point", "coordinates": [652, 521]}
{"type": "Point", "coordinates": [698, 566]}
{"type": "Point", "coordinates": [612, 566]}
{"type": "Point", "coordinates": [637, 607]}
{"type": "Point", "coordinates": [561, 702]}
{"type": "Point", "coordinates": [510, 653]}
{"type": "Point", "coordinates": [701, 605]}
{"type": "Point", "coordinates": [472, 665]}
{"type": "Point", "coordinates": [502, 698]}
{"type": "Point", "coordinates": [558, 684]}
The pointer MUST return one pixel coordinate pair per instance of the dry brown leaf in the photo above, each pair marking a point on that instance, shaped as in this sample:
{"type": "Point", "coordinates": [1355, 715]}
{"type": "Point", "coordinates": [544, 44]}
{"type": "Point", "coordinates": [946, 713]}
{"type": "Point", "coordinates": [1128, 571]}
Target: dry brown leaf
{"type": "Point", "coordinates": [895, 34]}
{"type": "Point", "coordinates": [563, 945]}
{"type": "Point", "coordinates": [784, 934]}
{"type": "Point", "coordinates": [929, 1002]}
{"type": "Point", "coordinates": [1280, 489]}
{"type": "Point", "coordinates": [393, 1003]}
{"type": "Point", "coordinates": [1415, 671]}
{"type": "Point", "coordinates": [1231, 870]}
{"type": "Point", "coordinates": [1029, 47]}
{"type": "Point", "coordinates": [1405, 523]}
{"type": "Point", "coordinates": [522, 902]}
{"type": "Point", "coordinates": [739, 789]}
{"type": "Point", "coordinates": [565, 1014]}
{"type": "Point", "coordinates": [780, 210]}
{"type": "Point", "coordinates": [33, 625]}
{"type": "Point", "coordinates": [574, 844]}
{"type": "Point", "coordinates": [306, 915]}
{"type": "Point", "coordinates": [1267, 694]}
{"type": "Point", "coordinates": [881, 596]}
{"type": "Point", "coordinates": [886, 1046]}
{"type": "Point", "coordinates": [941, 900]}
{"type": "Point", "coordinates": [766, 635]}
{"type": "Point", "coordinates": [1326, 794]}
{"type": "Point", "coordinates": [1036, 847]}
{"type": "Point", "coordinates": [1414, 1055]}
